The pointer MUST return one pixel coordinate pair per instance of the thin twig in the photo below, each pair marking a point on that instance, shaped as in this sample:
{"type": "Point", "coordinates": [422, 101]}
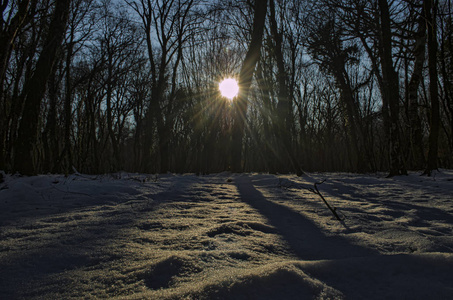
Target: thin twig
{"type": "Point", "coordinates": [317, 192]}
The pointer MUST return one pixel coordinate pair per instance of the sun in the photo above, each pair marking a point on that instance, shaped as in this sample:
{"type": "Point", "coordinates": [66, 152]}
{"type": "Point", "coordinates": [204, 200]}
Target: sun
{"type": "Point", "coordinates": [229, 88]}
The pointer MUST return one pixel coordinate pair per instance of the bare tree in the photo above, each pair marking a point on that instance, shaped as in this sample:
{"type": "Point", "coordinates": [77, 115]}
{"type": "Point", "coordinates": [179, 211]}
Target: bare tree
{"type": "Point", "coordinates": [430, 8]}
{"type": "Point", "coordinates": [10, 28]}
{"type": "Point", "coordinates": [446, 67]}
{"type": "Point", "coordinates": [166, 24]}
{"type": "Point", "coordinates": [390, 91]}
{"type": "Point", "coordinates": [35, 87]}
{"type": "Point", "coordinates": [327, 48]}
{"type": "Point", "coordinates": [285, 101]}
{"type": "Point", "coordinates": [415, 134]}
{"type": "Point", "coordinates": [245, 81]}
{"type": "Point", "coordinates": [118, 44]}
{"type": "Point", "coordinates": [327, 85]}
{"type": "Point", "coordinates": [17, 16]}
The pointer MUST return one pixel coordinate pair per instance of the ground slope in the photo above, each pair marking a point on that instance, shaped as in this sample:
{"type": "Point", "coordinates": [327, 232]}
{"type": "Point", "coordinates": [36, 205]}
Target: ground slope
{"type": "Point", "coordinates": [224, 236]}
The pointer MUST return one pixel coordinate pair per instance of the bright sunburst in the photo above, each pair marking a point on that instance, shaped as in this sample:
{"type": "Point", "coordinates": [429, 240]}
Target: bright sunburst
{"type": "Point", "coordinates": [229, 88]}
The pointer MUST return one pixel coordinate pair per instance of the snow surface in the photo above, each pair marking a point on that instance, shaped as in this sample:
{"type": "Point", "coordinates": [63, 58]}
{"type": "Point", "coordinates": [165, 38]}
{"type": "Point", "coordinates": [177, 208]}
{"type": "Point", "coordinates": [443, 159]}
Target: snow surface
{"type": "Point", "coordinates": [226, 236]}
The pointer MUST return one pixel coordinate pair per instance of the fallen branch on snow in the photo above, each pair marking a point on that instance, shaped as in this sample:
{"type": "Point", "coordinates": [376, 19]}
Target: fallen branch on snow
{"type": "Point", "coordinates": [317, 192]}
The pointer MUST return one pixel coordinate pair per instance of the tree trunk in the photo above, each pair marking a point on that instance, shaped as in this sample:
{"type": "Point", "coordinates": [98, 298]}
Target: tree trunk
{"type": "Point", "coordinates": [416, 134]}
{"type": "Point", "coordinates": [430, 10]}
{"type": "Point", "coordinates": [357, 155]}
{"type": "Point", "coordinates": [50, 137]}
{"type": "Point", "coordinates": [446, 62]}
{"type": "Point", "coordinates": [284, 106]}
{"type": "Point", "coordinates": [158, 92]}
{"type": "Point", "coordinates": [35, 89]}
{"type": "Point", "coordinates": [267, 139]}
{"type": "Point", "coordinates": [111, 132]}
{"type": "Point", "coordinates": [245, 80]}
{"type": "Point", "coordinates": [67, 152]}
{"type": "Point", "coordinates": [390, 91]}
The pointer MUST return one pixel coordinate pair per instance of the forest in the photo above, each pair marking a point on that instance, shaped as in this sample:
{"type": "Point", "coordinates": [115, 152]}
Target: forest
{"type": "Point", "coordinates": [99, 86]}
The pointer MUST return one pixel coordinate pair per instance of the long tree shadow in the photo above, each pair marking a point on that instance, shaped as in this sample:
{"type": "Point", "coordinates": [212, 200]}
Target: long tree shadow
{"type": "Point", "coordinates": [305, 238]}
{"type": "Point", "coordinates": [358, 272]}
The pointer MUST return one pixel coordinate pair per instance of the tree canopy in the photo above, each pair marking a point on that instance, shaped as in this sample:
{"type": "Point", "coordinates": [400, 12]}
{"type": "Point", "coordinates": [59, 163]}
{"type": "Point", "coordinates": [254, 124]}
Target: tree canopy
{"type": "Point", "coordinates": [101, 86]}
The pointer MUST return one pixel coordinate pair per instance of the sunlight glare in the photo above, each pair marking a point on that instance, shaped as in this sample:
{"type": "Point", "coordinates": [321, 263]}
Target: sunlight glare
{"type": "Point", "coordinates": [229, 88]}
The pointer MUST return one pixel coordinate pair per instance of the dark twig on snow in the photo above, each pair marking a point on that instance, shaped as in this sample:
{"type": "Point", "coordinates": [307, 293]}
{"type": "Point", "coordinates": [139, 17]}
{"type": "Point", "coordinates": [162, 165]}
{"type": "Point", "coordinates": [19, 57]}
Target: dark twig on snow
{"type": "Point", "coordinates": [317, 192]}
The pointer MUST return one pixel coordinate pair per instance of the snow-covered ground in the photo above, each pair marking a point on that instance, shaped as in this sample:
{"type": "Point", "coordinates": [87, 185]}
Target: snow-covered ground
{"type": "Point", "coordinates": [226, 236]}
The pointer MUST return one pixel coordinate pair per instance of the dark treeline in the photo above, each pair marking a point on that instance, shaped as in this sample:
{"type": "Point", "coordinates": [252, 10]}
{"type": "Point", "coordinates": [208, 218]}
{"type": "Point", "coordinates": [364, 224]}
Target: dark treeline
{"type": "Point", "coordinates": [327, 85]}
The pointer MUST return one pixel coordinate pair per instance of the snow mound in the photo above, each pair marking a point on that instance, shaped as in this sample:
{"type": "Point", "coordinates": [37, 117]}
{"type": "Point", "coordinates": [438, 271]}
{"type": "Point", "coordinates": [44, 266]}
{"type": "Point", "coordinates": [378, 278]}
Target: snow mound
{"type": "Point", "coordinates": [240, 228]}
{"type": "Point", "coordinates": [273, 281]}
{"type": "Point", "coordinates": [164, 273]}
